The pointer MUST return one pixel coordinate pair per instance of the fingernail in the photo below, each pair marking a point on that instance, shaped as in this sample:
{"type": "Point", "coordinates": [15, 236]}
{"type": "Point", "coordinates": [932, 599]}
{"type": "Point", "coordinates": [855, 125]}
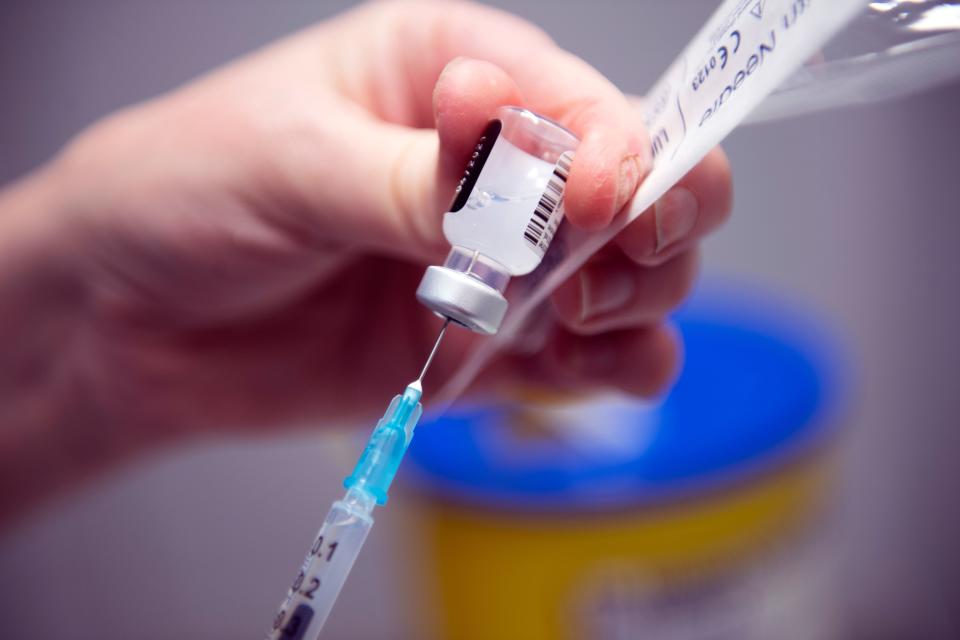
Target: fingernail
{"type": "Point", "coordinates": [603, 289]}
{"type": "Point", "coordinates": [675, 215]}
{"type": "Point", "coordinates": [639, 144]}
{"type": "Point", "coordinates": [630, 170]}
{"type": "Point", "coordinates": [453, 64]}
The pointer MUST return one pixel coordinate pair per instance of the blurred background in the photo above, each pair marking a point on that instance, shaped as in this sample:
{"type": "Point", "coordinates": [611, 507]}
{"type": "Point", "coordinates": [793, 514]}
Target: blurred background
{"type": "Point", "coordinates": [850, 215]}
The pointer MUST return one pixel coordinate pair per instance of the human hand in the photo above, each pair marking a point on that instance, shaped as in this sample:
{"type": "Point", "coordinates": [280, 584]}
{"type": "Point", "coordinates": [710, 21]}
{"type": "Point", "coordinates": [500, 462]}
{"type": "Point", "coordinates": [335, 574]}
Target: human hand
{"type": "Point", "coordinates": [244, 251]}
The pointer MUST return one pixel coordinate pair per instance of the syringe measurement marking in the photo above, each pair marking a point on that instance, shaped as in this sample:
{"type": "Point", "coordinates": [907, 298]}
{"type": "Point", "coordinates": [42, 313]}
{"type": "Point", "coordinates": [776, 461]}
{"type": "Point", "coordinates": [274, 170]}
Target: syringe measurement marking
{"type": "Point", "coordinates": [315, 549]}
{"type": "Point", "coordinates": [348, 522]}
{"type": "Point", "coordinates": [302, 614]}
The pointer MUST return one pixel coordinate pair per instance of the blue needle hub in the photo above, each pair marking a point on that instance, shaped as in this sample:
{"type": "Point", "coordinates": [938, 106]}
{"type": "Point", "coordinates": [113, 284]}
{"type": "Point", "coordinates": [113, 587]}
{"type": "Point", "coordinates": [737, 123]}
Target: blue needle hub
{"type": "Point", "coordinates": [381, 458]}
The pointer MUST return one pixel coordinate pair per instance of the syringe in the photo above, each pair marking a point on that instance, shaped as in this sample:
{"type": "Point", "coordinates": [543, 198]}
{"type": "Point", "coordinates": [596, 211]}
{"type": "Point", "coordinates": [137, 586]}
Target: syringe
{"type": "Point", "coordinates": [505, 214]}
{"type": "Point", "coordinates": [337, 545]}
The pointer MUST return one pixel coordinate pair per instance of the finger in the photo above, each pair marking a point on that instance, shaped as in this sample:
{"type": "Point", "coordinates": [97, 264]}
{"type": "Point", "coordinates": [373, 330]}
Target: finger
{"type": "Point", "coordinates": [467, 95]}
{"type": "Point", "coordinates": [603, 176]}
{"type": "Point", "coordinates": [614, 153]}
{"type": "Point", "coordinates": [609, 294]}
{"type": "Point", "coordinates": [407, 45]}
{"type": "Point", "coordinates": [395, 196]}
{"type": "Point", "coordinates": [642, 362]}
{"type": "Point", "coordinates": [699, 203]}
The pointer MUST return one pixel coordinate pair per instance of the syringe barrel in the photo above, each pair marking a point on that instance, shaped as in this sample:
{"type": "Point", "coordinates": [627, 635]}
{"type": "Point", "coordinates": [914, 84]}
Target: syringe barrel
{"type": "Point", "coordinates": [326, 567]}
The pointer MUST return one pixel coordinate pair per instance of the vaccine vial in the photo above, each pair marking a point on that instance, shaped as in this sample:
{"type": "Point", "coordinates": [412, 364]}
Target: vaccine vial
{"type": "Point", "coordinates": [505, 212]}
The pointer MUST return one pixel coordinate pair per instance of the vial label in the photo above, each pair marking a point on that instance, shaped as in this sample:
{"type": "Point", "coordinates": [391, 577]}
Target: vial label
{"type": "Point", "coordinates": [475, 165]}
{"type": "Point", "coordinates": [549, 212]}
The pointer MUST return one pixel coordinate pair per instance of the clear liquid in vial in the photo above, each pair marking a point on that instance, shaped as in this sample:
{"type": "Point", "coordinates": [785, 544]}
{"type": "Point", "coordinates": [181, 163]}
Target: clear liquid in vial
{"type": "Point", "coordinates": [499, 208]}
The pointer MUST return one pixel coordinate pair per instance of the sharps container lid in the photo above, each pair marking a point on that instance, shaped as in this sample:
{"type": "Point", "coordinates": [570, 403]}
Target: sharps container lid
{"type": "Point", "coordinates": [760, 385]}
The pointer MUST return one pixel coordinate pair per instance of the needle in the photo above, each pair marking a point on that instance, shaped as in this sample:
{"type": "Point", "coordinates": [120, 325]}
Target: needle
{"type": "Point", "coordinates": [433, 352]}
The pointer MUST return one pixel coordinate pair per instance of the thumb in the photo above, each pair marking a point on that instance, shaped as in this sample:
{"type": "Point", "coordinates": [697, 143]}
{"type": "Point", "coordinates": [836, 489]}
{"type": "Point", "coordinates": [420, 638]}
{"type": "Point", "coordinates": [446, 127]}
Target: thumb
{"type": "Point", "coordinates": [467, 94]}
{"type": "Point", "coordinates": [410, 181]}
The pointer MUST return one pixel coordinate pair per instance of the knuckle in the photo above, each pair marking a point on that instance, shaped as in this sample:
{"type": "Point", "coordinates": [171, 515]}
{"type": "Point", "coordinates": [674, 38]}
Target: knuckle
{"type": "Point", "coordinates": [722, 176]}
{"type": "Point", "coordinates": [638, 240]}
{"type": "Point", "coordinates": [579, 112]}
{"type": "Point", "coordinates": [566, 303]}
{"type": "Point", "coordinates": [682, 278]}
{"type": "Point", "coordinates": [665, 354]}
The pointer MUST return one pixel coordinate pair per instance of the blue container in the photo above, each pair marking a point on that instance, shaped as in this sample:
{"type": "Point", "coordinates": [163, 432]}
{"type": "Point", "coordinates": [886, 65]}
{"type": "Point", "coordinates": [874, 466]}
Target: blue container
{"type": "Point", "coordinates": [760, 385]}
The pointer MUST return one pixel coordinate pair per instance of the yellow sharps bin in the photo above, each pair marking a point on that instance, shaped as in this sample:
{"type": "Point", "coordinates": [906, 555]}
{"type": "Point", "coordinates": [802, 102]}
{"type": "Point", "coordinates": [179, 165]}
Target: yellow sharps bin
{"type": "Point", "coordinates": [703, 516]}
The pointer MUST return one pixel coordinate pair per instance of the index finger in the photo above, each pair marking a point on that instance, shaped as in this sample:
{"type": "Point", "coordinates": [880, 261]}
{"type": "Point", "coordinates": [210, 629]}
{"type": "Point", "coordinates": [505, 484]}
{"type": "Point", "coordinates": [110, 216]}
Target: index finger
{"type": "Point", "coordinates": [614, 153]}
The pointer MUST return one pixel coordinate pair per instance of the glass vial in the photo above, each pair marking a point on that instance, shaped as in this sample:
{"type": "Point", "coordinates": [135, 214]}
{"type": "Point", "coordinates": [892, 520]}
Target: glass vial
{"type": "Point", "coordinates": [505, 212]}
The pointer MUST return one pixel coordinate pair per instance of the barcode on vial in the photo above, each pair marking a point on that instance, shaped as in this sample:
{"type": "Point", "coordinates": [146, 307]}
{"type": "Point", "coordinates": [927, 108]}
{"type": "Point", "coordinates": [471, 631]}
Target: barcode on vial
{"type": "Point", "coordinates": [544, 221]}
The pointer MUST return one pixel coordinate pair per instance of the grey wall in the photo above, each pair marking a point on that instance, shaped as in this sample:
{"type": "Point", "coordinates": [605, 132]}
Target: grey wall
{"type": "Point", "coordinates": [855, 212]}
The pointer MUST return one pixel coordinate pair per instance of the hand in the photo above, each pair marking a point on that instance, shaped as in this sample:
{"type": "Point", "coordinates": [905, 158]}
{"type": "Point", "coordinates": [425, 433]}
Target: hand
{"type": "Point", "coordinates": [244, 251]}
